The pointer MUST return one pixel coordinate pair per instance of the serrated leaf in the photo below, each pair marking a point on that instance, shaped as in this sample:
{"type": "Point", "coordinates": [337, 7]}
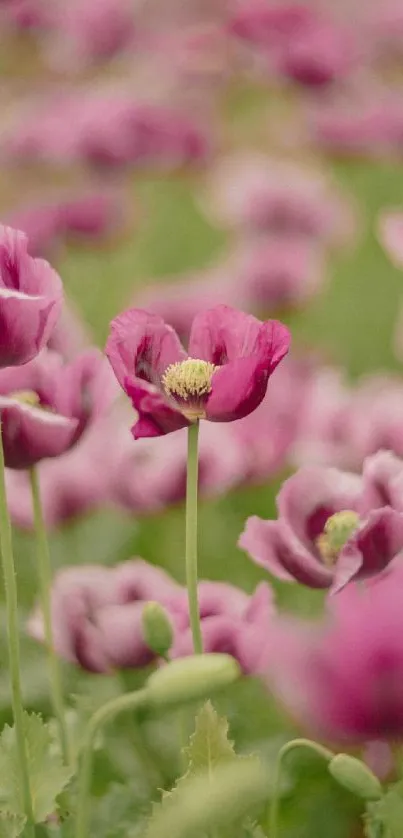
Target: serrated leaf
{"type": "Point", "coordinates": [385, 818]}
{"type": "Point", "coordinates": [209, 745]}
{"type": "Point", "coordinates": [48, 776]}
{"type": "Point", "coordinates": [11, 825]}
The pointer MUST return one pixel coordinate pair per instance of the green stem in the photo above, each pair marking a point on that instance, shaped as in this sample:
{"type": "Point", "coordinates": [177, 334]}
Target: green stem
{"type": "Point", "coordinates": [13, 640]}
{"type": "Point", "coordinates": [191, 535]}
{"type": "Point", "coordinates": [45, 582]}
{"type": "Point", "coordinates": [105, 714]}
{"type": "Point", "coordinates": [290, 746]}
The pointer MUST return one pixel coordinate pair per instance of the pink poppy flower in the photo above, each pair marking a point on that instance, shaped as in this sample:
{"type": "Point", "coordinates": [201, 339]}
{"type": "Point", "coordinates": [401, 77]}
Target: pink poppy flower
{"type": "Point", "coordinates": [97, 614]}
{"type": "Point", "coordinates": [262, 195]}
{"type": "Point", "coordinates": [224, 377]}
{"type": "Point", "coordinates": [343, 678]}
{"type": "Point", "coordinates": [151, 475]}
{"type": "Point", "coordinates": [31, 297]}
{"type": "Point", "coordinates": [332, 528]}
{"type": "Point", "coordinates": [45, 406]}
{"type": "Point", "coordinates": [231, 622]}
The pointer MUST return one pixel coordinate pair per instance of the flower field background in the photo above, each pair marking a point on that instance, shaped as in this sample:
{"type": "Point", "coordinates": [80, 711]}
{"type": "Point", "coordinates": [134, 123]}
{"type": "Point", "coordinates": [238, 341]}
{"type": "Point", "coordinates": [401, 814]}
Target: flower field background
{"type": "Point", "coordinates": [349, 323]}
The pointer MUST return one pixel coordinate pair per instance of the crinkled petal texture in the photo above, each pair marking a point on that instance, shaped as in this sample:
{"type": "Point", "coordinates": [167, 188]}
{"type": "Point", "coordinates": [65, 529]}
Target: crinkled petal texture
{"type": "Point", "coordinates": [31, 298]}
{"type": "Point", "coordinates": [245, 351]}
{"type": "Point", "coordinates": [290, 547]}
{"type": "Point", "coordinates": [343, 678]}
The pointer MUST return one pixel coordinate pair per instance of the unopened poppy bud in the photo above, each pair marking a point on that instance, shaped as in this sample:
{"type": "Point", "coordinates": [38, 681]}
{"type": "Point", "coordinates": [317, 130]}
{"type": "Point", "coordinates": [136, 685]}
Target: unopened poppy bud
{"type": "Point", "coordinates": [355, 776]}
{"type": "Point", "coordinates": [192, 678]}
{"type": "Point", "coordinates": [157, 628]}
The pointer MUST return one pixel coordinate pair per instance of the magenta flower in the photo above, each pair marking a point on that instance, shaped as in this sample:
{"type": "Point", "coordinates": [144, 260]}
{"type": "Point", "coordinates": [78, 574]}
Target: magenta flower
{"type": "Point", "coordinates": [224, 377]}
{"type": "Point", "coordinates": [45, 406]}
{"type": "Point", "coordinates": [343, 679]}
{"type": "Point", "coordinates": [332, 528]}
{"type": "Point", "coordinates": [97, 614]}
{"type": "Point", "coordinates": [231, 622]}
{"type": "Point", "coordinates": [31, 298]}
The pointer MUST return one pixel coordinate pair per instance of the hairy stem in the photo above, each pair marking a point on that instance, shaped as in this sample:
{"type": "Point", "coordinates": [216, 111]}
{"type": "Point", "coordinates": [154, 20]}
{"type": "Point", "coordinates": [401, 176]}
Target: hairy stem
{"type": "Point", "coordinates": [191, 535]}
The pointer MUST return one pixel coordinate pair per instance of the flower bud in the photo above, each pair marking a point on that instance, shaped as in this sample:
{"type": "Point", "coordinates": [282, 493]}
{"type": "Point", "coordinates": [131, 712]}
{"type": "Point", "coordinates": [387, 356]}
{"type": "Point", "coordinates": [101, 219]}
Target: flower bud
{"type": "Point", "coordinates": [355, 776]}
{"type": "Point", "coordinates": [189, 679]}
{"type": "Point", "coordinates": [157, 628]}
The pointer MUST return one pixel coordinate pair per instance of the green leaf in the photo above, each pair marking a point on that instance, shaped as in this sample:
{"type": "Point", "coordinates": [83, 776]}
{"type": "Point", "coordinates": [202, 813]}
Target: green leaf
{"type": "Point", "coordinates": [48, 776]}
{"type": "Point", "coordinates": [11, 825]}
{"type": "Point", "coordinates": [385, 818]}
{"type": "Point", "coordinates": [209, 744]}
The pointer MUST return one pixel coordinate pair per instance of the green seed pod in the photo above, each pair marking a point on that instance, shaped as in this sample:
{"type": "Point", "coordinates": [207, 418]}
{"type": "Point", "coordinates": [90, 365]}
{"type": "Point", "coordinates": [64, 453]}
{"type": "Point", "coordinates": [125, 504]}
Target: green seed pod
{"type": "Point", "coordinates": [157, 628]}
{"type": "Point", "coordinates": [189, 679]}
{"type": "Point", "coordinates": [355, 776]}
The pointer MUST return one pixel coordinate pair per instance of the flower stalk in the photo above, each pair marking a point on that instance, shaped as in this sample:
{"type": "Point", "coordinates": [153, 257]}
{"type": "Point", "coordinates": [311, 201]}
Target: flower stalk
{"type": "Point", "coordinates": [191, 535]}
{"type": "Point", "coordinates": [14, 647]}
{"type": "Point", "coordinates": [105, 714]}
{"type": "Point", "coordinates": [45, 582]}
{"type": "Point", "coordinates": [323, 752]}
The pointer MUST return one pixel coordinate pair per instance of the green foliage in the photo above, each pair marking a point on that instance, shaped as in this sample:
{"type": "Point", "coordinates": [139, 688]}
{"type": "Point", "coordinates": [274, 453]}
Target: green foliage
{"type": "Point", "coordinates": [11, 825]}
{"type": "Point", "coordinates": [384, 819]}
{"type": "Point", "coordinates": [209, 745]}
{"type": "Point", "coordinates": [48, 776]}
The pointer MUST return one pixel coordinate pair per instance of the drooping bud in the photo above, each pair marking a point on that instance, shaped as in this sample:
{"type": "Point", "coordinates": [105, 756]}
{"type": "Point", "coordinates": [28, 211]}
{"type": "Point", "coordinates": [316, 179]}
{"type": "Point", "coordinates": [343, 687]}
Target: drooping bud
{"type": "Point", "coordinates": [192, 678]}
{"type": "Point", "coordinates": [355, 776]}
{"type": "Point", "coordinates": [157, 628]}
{"type": "Point", "coordinates": [338, 529]}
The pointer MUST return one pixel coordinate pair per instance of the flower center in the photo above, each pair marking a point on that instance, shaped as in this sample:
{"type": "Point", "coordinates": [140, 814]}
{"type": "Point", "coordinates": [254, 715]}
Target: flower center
{"type": "Point", "coordinates": [26, 397]}
{"type": "Point", "coordinates": [190, 382]}
{"type": "Point", "coordinates": [338, 529]}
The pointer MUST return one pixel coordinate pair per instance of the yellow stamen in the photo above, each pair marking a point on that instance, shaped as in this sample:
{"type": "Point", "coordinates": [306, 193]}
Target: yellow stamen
{"type": "Point", "coordinates": [26, 397]}
{"type": "Point", "coordinates": [338, 529]}
{"type": "Point", "coordinates": [189, 381]}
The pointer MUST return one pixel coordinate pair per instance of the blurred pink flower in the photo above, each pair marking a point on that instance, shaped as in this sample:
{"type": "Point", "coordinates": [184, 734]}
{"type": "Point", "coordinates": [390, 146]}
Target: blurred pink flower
{"type": "Point", "coordinates": [91, 214]}
{"type": "Point", "coordinates": [231, 622]}
{"type": "Point", "coordinates": [97, 613]}
{"type": "Point", "coordinates": [258, 194]}
{"type": "Point", "coordinates": [343, 678]}
{"type": "Point", "coordinates": [105, 128]}
{"type": "Point", "coordinates": [31, 296]}
{"type": "Point", "coordinates": [275, 273]}
{"type": "Point", "coordinates": [45, 406]}
{"type": "Point", "coordinates": [71, 334]}
{"type": "Point", "coordinates": [332, 528]}
{"type": "Point", "coordinates": [266, 437]}
{"type": "Point", "coordinates": [366, 122]}
{"type": "Point", "coordinates": [71, 485]}
{"type": "Point", "coordinates": [376, 416]}
{"type": "Point", "coordinates": [296, 41]}
{"type": "Point", "coordinates": [97, 617]}
{"type": "Point", "coordinates": [224, 378]}
{"type": "Point", "coordinates": [390, 233]}
{"type": "Point", "coordinates": [86, 32]}
{"type": "Point", "coordinates": [150, 475]}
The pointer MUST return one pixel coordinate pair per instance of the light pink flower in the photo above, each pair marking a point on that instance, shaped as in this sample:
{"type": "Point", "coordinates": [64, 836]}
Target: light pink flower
{"type": "Point", "coordinates": [255, 193]}
{"type": "Point", "coordinates": [343, 678]}
{"type": "Point", "coordinates": [231, 622]}
{"type": "Point", "coordinates": [31, 297]}
{"type": "Point", "coordinates": [224, 377]}
{"type": "Point", "coordinates": [45, 406]}
{"type": "Point", "coordinates": [87, 32]}
{"type": "Point", "coordinates": [151, 475]}
{"type": "Point", "coordinates": [332, 527]}
{"type": "Point", "coordinates": [97, 614]}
